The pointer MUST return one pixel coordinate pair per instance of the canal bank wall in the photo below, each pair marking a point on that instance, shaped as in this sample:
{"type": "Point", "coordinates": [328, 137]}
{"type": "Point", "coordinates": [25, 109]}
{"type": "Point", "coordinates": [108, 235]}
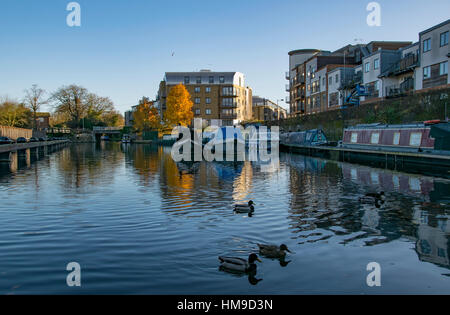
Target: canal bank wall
{"type": "Point", "coordinates": [417, 107]}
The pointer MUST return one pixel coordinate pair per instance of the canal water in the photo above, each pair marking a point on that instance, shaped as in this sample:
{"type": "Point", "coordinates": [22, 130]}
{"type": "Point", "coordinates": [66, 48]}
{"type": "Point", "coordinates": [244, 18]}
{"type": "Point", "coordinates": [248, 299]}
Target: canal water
{"type": "Point", "coordinates": [138, 223]}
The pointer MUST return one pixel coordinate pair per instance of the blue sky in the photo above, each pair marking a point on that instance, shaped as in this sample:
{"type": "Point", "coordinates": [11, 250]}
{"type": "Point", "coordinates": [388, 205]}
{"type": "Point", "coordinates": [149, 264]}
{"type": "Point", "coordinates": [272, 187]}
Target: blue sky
{"type": "Point", "coordinates": [123, 48]}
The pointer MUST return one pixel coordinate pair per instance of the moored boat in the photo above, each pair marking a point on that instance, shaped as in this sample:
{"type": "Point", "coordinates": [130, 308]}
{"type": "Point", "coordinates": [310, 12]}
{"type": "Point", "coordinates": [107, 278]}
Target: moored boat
{"type": "Point", "coordinates": [431, 137]}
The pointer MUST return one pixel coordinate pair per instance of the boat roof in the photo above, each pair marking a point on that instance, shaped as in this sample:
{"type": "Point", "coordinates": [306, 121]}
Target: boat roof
{"type": "Point", "coordinates": [386, 126]}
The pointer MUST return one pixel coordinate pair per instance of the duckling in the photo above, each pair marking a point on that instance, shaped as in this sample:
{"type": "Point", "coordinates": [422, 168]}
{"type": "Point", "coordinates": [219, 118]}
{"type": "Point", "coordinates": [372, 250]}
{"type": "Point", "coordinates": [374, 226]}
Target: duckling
{"type": "Point", "coordinates": [273, 251]}
{"type": "Point", "coordinates": [239, 264]}
{"type": "Point", "coordinates": [245, 208]}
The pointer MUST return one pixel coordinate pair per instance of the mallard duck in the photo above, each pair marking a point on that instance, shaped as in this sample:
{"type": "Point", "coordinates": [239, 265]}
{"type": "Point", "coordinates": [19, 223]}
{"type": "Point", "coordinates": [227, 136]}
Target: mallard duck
{"type": "Point", "coordinates": [245, 208]}
{"type": "Point", "coordinates": [239, 264]}
{"type": "Point", "coordinates": [379, 196]}
{"type": "Point", "coordinates": [273, 251]}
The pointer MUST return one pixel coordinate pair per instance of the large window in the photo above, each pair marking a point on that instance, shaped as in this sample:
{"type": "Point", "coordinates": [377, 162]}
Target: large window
{"type": "Point", "coordinates": [443, 68]}
{"type": "Point", "coordinates": [444, 39]}
{"type": "Point", "coordinates": [186, 80]}
{"type": "Point", "coordinates": [376, 64]}
{"type": "Point", "coordinates": [367, 67]}
{"type": "Point", "coordinates": [197, 100]}
{"type": "Point", "coordinates": [198, 111]}
{"type": "Point", "coordinates": [211, 80]}
{"type": "Point", "coordinates": [427, 45]}
{"type": "Point", "coordinates": [208, 111]}
{"type": "Point", "coordinates": [197, 90]}
{"type": "Point", "coordinates": [208, 89]}
{"type": "Point", "coordinates": [199, 80]}
{"type": "Point", "coordinates": [354, 137]}
{"type": "Point", "coordinates": [222, 79]}
{"type": "Point", "coordinates": [427, 72]}
{"type": "Point", "coordinates": [208, 100]}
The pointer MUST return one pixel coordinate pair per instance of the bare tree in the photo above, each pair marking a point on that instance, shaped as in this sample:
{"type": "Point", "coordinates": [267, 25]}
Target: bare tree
{"type": "Point", "coordinates": [34, 99]}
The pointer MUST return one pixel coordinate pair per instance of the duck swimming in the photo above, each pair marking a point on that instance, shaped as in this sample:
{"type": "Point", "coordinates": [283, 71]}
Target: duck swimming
{"type": "Point", "coordinates": [245, 208]}
{"type": "Point", "coordinates": [374, 198]}
{"type": "Point", "coordinates": [273, 251]}
{"type": "Point", "coordinates": [239, 264]}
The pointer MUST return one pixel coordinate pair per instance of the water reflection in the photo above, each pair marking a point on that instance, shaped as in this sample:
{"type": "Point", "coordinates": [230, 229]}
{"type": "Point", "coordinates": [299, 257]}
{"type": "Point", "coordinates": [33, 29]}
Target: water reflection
{"type": "Point", "coordinates": [417, 206]}
{"type": "Point", "coordinates": [132, 207]}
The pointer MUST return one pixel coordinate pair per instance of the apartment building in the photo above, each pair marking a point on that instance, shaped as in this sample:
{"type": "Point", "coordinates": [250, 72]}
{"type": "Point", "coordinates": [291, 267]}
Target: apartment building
{"type": "Point", "coordinates": [434, 56]}
{"type": "Point", "coordinates": [220, 98]}
{"type": "Point", "coordinates": [341, 80]}
{"type": "Point", "coordinates": [308, 75]}
{"type": "Point", "coordinates": [266, 110]}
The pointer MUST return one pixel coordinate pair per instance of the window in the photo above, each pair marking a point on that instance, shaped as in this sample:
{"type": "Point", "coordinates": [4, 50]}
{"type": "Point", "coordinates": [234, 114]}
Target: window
{"type": "Point", "coordinates": [199, 80]}
{"type": "Point", "coordinates": [208, 89]}
{"type": "Point", "coordinates": [427, 72]}
{"type": "Point", "coordinates": [222, 79]}
{"type": "Point", "coordinates": [376, 64]}
{"type": "Point", "coordinates": [415, 139]}
{"type": "Point", "coordinates": [197, 89]}
{"type": "Point", "coordinates": [443, 68]}
{"type": "Point", "coordinates": [367, 67]}
{"type": "Point", "coordinates": [208, 111]}
{"type": "Point", "coordinates": [197, 100]}
{"type": "Point", "coordinates": [444, 39]}
{"type": "Point", "coordinates": [208, 100]}
{"type": "Point", "coordinates": [337, 78]}
{"type": "Point", "coordinates": [211, 80]}
{"type": "Point", "coordinates": [375, 138]}
{"type": "Point", "coordinates": [427, 45]}
{"type": "Point", "coordinates": [186, 80]}
{"type": "Point", "coordinates": [331, 80]}
{"type": "Point", "coordinates": [323, 81]}
{"type": "Point", "coordinates": [354, 137]}
{"type": "Point", "coordinates": [198, 111]}
{"type": "Point", "coordinates": [396, 140]}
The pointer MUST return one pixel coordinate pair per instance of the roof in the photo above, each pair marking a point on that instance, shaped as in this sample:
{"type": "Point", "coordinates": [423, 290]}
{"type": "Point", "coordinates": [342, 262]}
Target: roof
{"type": "Point", "coordinates": [42, 115]}
{"type": "Point", "coordinates": [303, 51]}
{"type": "Point", "coordinates": [434, 27]}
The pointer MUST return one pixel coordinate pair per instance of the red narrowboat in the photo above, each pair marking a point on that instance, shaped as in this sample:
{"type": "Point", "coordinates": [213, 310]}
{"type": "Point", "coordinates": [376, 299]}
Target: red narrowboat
{"type": "Point", "coordinates": [431, 137]}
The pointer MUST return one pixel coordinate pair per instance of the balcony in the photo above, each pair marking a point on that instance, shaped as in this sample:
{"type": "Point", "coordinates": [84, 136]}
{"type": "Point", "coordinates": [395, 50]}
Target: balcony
{"type": "Point", "coordinates": [288, 99]}
{"type": "Point", "coordinates": [287, 75]}
{"type": "Point", "coordinates": [228, 116]}
{"type": "Point", "coordinates": [229, 92]}
{"type": "Point", "coordinates": [288, 87]}
{"type": "Point", "coordinates": [351, 82]}
{"type": "Point", "coordinates": [399, 90]}
{"type": "Point", "coordinates": [406, 64]}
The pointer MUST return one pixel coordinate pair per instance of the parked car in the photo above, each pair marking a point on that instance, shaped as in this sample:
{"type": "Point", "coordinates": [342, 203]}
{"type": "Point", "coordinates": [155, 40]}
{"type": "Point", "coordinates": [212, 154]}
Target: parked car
{"type": "Point", "coordinates": [21, 140]}
{"type": "Point", "coordinates": [6, 140]}
{"type": "Point", "coordinates": [34, 139]}
{"type": "Point", "coordinates": [43, 139]}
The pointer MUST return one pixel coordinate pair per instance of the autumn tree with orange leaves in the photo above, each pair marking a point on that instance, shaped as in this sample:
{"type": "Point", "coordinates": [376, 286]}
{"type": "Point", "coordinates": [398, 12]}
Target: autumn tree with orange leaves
{"type": "Point", "coordinates": [146, 116]}
{"type": "Point", "coordinates": [178, 107]}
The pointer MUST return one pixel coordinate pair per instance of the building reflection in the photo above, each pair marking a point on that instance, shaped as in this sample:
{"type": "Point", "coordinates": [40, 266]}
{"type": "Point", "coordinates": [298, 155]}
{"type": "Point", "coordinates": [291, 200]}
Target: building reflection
{"type": "Point", "coordinates": [325, 203]}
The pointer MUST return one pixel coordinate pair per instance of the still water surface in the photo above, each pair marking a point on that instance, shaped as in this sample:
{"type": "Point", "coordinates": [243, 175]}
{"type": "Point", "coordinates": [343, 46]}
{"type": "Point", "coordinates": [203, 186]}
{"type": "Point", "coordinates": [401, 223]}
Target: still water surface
{"type": "Point", "coordinates": [138, 223]}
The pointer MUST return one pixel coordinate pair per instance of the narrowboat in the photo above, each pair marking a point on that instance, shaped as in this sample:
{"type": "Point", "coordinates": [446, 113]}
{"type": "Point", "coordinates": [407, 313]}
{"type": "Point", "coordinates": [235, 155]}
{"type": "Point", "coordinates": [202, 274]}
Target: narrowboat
{"type": "Point", "coordinates": [430, 137]}
{"type": "Point", "coordinates": [307, 138]}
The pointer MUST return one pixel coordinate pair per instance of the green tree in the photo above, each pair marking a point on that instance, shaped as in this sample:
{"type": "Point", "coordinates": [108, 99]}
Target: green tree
{"type": "Point", "coordinates": [13, 114]}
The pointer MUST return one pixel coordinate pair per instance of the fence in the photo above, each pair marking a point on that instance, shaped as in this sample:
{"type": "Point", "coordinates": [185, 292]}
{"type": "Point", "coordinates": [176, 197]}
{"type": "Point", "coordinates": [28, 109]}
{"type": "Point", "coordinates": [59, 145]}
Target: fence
{"type": "Point", "coordinates": [14, 133]}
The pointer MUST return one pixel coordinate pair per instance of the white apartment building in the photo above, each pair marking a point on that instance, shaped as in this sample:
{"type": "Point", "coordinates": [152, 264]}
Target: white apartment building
{"type": "Point", "coordinates": [434, 56]}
